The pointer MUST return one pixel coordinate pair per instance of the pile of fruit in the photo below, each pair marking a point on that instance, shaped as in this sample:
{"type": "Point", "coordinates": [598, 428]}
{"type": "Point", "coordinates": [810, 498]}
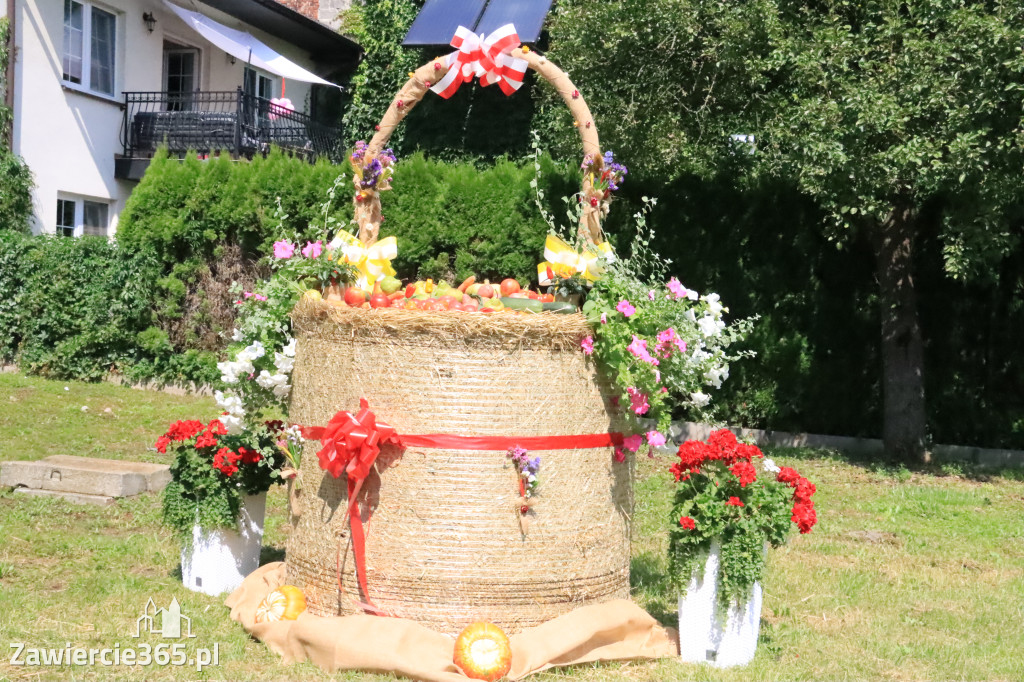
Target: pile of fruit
{"type": "Point", "coordinates": [469, 297]}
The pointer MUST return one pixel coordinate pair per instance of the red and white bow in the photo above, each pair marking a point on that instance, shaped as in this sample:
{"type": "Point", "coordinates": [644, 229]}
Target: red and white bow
{"type": "Point", "coordinates": [488, 58]}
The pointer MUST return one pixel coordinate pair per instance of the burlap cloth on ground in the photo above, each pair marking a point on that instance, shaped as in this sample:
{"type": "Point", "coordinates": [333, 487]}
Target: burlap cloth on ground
{"type": "Point", "coordinates": [603, 632]}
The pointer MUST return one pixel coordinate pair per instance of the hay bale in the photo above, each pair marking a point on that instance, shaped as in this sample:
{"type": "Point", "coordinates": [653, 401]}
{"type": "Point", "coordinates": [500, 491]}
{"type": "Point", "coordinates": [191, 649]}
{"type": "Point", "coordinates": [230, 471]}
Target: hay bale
{"type": "Point", "coordinates": [444, 545]}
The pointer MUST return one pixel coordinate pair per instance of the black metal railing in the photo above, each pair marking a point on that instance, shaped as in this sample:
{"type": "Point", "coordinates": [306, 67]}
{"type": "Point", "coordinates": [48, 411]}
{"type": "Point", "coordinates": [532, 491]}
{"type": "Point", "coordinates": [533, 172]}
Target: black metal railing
{"type": "Point", "coordinates": [207, 122]}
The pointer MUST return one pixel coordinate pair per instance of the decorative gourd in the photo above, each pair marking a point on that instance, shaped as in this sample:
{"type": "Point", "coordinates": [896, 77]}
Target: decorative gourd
{"type": "Point", "coordinates": [284, 603]}
{"type": "Point", "coordinates": [483, 652]}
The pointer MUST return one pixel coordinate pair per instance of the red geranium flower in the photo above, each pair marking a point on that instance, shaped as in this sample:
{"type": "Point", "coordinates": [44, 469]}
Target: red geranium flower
{"type": "Point", "coordinates": [687, 523]}
{"type": "Point", "coordinates": [249, 456]}
{"type": "Point", "coordinates": [735, 502]}
{"type": "Point", "coordinates": [205, 440]}
{"type": "Point", "coordinates": [161, 444]}
{"type": "Point", "coordinates": [216, 427]}
{"type": "Point", "coordinates": [744, 471]}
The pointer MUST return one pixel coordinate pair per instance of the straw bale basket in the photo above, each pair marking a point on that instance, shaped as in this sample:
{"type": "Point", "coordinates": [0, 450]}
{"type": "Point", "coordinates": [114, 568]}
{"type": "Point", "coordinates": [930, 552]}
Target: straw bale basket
{"type": "Point", "coordinates": [446, 544]}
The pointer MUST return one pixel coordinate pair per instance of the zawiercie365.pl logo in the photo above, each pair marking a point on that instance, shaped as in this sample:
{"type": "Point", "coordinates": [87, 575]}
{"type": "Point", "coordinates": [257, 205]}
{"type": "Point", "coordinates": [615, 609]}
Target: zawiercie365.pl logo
{"type": "Point", "coordinates": [166, 622]}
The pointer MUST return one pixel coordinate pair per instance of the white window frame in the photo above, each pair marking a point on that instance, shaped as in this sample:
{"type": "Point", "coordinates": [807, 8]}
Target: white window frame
{"type": "Point", "coordinates": [78, 230]}
{"type": "Point", "coordinates": [261, 74]}
{"type": "Point", "coordinates": [86, 57]}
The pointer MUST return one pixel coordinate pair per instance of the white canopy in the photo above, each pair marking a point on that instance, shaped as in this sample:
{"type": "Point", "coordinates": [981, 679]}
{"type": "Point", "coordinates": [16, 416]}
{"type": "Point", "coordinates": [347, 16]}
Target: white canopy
{"type": "Point", "coordinates": [243, 46]}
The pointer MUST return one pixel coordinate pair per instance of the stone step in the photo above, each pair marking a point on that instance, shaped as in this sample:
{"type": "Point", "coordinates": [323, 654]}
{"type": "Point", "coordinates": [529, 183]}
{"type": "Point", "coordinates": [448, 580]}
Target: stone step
{"type": "Point", "coordinates": [79, 498]}
{"type": "Point", "coordinates": [85, 476]}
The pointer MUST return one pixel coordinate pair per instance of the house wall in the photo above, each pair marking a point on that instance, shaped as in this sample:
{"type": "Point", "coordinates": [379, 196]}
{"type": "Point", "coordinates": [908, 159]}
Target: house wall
{"type": "Point", "coordinates": [69, 137]}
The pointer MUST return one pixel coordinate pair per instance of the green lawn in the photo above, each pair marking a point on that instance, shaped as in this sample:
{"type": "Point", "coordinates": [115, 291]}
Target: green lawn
{"type": "Point", "coordinates": [908, 576]}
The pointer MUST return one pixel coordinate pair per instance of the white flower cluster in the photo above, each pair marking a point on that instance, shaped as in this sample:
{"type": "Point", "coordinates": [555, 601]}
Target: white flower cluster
{"type": "Point", "coordinates": [243, 368]}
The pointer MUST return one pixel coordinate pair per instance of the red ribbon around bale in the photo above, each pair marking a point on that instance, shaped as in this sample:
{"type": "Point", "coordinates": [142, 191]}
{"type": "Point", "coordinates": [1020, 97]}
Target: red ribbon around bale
{"type": "Point", "coordinates": [352, 442]}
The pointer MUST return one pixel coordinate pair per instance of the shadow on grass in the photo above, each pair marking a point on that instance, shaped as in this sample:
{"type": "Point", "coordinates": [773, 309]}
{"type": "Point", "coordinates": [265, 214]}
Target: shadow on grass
{"type": "Point", "coordinates": [650, 587]}
{"type": "Point", "coordinates": [271, 554]}
{"type": "Point", "coordinates": [899, 470]}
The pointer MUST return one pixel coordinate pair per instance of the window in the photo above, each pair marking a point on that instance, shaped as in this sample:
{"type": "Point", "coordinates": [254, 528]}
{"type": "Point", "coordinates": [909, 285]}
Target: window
{"type": "Point", "coordinates": [255, 83]}
{"type": "Point", "coordinates": [90, 36]}
{"type": "Point", "coordinates": [65, 218]}
{"type": "Point", "coordinates": [77, 217]}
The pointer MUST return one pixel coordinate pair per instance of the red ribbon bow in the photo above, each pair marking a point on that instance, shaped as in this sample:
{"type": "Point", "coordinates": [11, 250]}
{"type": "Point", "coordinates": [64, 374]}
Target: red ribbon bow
{"type": "Point", "coordinates": [488, 58]}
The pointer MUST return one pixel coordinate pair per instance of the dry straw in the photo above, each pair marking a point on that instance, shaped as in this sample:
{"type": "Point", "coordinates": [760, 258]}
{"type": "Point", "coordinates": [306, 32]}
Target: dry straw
{"type": "Point", "coordinates": [444, 543]}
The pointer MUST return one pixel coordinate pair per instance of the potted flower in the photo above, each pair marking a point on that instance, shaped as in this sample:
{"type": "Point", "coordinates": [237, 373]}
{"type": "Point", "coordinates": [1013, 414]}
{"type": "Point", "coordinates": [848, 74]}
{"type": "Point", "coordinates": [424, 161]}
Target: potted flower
{"type": "Point", "coordinates": [730, 504]}
{"type": "Point", "coordinates": [216, 499]}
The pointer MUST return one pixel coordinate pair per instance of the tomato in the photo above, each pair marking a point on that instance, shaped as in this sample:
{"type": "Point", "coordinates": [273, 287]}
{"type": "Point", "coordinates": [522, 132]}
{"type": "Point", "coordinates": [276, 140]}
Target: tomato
{"type": "Point", "coordinates": [379, 301]}
{"type": "Point", "coordinates": [533, 295]}
{"type": "Point", "coordinates": [410, 290]}
{"type": "Point", "coordinates": [485, 291]}
{"type": "Point", "coordinates": [547, 298]}
{"type": "Point", "coordinates": [509, 286]}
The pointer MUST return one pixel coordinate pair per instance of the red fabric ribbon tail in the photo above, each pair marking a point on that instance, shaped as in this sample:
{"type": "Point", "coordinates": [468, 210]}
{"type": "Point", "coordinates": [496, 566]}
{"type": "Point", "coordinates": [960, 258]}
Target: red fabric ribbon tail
{"type": "Point", "coordinates": [355, 523]}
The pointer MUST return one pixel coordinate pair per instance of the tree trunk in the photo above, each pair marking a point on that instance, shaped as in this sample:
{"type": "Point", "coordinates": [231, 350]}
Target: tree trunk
{"type": "Point", "coordinates": [904, 424]}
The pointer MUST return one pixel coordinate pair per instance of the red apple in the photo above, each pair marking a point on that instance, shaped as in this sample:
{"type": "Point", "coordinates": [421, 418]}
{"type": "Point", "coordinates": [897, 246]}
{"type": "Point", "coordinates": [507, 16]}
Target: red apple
{"type": "Point", "coordinates": [485, 291]}
{"type": "Point", "coordinates": [355, 296]}
{"type": "Point", "coordinates": [379, 301]}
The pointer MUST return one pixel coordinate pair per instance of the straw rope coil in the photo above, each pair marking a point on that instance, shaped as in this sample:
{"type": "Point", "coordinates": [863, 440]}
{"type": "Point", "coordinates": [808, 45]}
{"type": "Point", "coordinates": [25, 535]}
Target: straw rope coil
{"type": "Point", "coordinates": [444, 544]}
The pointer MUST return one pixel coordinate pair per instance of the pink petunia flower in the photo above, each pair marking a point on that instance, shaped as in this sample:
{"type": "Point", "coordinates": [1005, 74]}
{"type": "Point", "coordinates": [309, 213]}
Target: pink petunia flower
{"type": "Point", "coordinates": [588, 345]}
{"type": "Point", "coordinates": [625, 308]}
{"type": "Point", "coordinates": [283, 249]}
{"type": "Point", "coordinates": [655, 439]}
{"type": "Point", "coordinates": [667, 339]}
{"type": "Point", "coordinates": [604, 318]}
{"type": "Point", "coordinates": [677, 289]}
{"type": "Point", "coordinates": [633, 443]}
{"type": "Point", "coordinates": [638, 401]}
{"type": "Point", "coordinates": [312, 249]}
{"type": "Point", "coordinates": [639, 348]}
{"type": "Point", "coordinates": [651, 295]}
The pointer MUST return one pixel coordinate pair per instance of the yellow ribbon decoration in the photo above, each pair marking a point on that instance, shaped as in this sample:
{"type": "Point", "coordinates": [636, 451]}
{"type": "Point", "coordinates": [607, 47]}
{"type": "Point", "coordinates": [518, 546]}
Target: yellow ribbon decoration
{"type": "Point", "coordinates": [564, 261]}
{"type": "Point", "coordinates": [372, 262]}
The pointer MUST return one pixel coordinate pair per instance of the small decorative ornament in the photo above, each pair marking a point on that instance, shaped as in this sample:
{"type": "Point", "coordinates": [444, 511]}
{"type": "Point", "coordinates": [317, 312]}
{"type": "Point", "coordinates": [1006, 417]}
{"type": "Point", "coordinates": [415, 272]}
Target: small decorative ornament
{"type": "Point", "coordinates": [588, 124]}
{"type": "Point", "coordinates": [400, 104]}
{"type": "Point", "coordinates": [543, 60]}
{"type": "Point", "coordinates": [412, 74]}
{"type": "Point", "coordinates": [427, 83]}
{"type": "Point", "coordinates": [376, 127]}
{"type": "Point", "coordinates": [575, 94]}
{"type": "Point", "coordinates": [483, 652]}
{"type": "Point", "coordinates": [284, 603]}
{"type": "Point", "coordinates": [576, 124]}
{"type": "Point", "coordinates": [526, 49]}
{"type": "Point", "coordinates": [437, 66]}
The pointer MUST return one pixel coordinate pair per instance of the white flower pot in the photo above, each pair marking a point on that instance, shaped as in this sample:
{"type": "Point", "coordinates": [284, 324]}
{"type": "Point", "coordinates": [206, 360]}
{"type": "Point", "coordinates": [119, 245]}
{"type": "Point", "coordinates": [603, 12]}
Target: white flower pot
{"type": "Point", "coordinates": [219, 559]}
{"type": "Point", "coordinates": [703, 636]}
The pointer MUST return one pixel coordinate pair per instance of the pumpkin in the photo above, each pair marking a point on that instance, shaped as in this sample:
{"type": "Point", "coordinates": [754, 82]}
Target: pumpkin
{"type": "Point", "coordinates": [483, 652]}
{"type": "Point", "coordinates": [284, 603]}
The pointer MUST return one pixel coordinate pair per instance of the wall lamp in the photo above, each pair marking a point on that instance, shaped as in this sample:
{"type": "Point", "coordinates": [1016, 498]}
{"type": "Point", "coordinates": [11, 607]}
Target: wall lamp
{"type": "Point", "coordinates": [150, 21]}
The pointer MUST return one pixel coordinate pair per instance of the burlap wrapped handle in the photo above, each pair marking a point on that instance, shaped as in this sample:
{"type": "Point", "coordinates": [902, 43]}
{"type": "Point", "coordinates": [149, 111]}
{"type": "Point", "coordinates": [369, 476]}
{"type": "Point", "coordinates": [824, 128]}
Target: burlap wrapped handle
{"type": "Point", "coordinates": [367, 209]}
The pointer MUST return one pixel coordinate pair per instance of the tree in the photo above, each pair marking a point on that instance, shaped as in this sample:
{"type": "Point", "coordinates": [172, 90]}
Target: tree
{"type": "Point", "coordinates": [880, 110]}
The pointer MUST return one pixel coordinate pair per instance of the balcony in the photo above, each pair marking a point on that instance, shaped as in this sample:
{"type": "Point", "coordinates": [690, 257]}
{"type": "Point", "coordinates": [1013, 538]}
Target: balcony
{"type": "Point", "coordinates": [207, 122]}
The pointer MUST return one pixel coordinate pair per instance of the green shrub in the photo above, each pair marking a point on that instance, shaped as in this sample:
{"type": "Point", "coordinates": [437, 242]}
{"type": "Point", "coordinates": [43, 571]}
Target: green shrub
{"type": "Point", "coordinates": [15, 193]}
{"type": "Point", "coordinates": [79, 305]}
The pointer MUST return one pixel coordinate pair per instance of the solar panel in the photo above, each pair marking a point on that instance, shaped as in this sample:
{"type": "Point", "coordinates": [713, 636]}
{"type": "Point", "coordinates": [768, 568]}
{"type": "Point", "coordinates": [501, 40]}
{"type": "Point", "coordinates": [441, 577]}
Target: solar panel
{"type": "Point", "coordinates": [527, 15]}
{"type": "Point", "coordinates": [437, 21]}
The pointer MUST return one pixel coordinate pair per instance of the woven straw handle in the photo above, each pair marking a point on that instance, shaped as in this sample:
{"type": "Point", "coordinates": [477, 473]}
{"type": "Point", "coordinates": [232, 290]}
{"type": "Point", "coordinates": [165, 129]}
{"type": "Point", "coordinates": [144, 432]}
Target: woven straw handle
{"type": "Point", "coordinates": [367, 210]}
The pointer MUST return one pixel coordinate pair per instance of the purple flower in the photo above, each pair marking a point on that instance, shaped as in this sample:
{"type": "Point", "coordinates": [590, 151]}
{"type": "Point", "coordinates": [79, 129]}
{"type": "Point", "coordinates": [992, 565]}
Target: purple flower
{"type": "Point", "coordinates": [625, 308]}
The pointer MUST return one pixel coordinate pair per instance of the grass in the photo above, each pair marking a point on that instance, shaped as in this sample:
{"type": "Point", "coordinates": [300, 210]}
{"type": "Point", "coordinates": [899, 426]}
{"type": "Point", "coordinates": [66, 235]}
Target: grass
{"type": "Point", "coordinates": [908, 575]}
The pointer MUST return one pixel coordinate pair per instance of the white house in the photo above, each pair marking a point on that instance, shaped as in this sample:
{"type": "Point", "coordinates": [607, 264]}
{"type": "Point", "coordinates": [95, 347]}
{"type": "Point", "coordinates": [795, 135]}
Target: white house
{"type": "Point", "coordinates": [98, 84]}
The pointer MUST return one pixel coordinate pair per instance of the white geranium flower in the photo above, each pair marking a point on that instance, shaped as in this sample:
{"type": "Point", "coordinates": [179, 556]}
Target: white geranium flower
{"type": "Point", "coordinates": [278, 383]}
{"type": "Point", "coordinates": [236, 335]}
{"type": "Point", "coordinates": [700, 399]}
{"type": "Point", "coordinates": [284, 363]}
{"type": "Point", "coordinates": [771, 466]}
{"type": "Point", "coordinates": [289, 350]}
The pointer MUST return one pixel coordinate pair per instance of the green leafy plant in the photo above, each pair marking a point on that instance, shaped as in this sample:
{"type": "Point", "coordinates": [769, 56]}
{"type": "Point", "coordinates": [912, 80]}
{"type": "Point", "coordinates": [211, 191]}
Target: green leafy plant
{"type": "Point", "coordinates": [726, 491]}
